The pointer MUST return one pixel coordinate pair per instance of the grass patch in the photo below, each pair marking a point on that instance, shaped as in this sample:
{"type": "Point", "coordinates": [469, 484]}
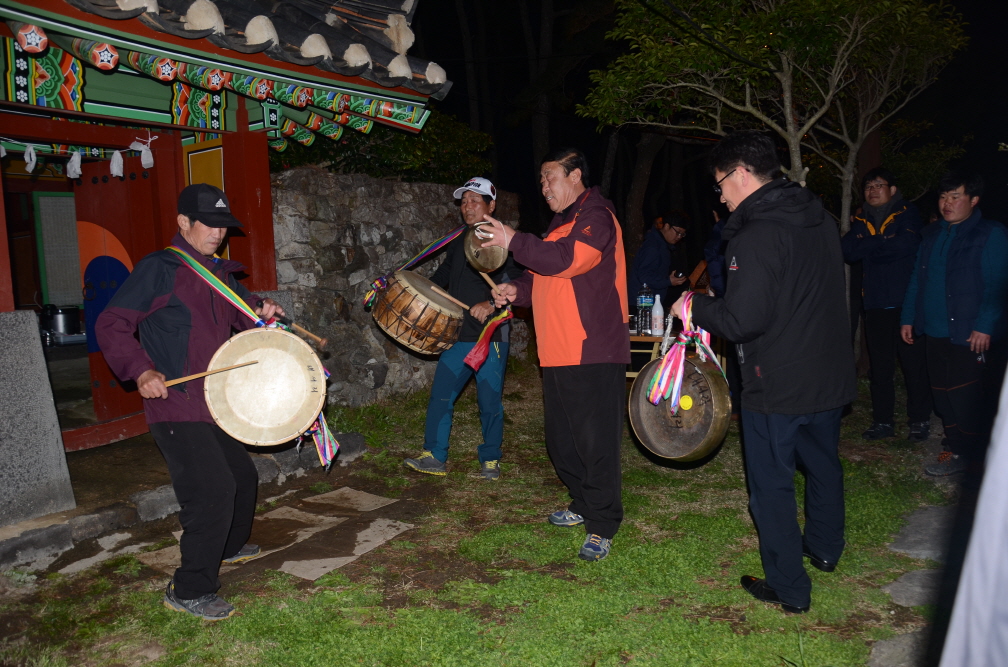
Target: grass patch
{"type": "Point", "coordinates": [482, 579]}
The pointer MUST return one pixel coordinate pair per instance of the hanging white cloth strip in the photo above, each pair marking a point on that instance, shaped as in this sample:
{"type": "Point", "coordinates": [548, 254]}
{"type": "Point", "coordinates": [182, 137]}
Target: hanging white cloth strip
{"type": "Point", "coordinates": [73, 166]}
{"type": "Point", "coordinates": [146, 157]}
{"type": "Point", "coordinates": [116, 167]}
{"type": "Point", "coordinates": [29, 158]}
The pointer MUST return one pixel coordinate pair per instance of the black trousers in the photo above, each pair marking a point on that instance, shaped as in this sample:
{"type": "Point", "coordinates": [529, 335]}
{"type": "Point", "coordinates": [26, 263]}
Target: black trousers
{"type": "Point", "coordinates": [882, 334]}
{"type": "Point", "coordinates": [965, 386]}
{"type": "Point", "coordinates": [584, 412]}
{"type": "Point", "coordinates": [774, 446]}
{"type": "Point", "coordinates": [215, 482]}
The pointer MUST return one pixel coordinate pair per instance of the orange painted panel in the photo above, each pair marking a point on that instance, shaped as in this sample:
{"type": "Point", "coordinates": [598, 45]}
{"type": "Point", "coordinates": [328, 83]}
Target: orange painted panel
{"type": "Point", "coordinates": [94, 241]}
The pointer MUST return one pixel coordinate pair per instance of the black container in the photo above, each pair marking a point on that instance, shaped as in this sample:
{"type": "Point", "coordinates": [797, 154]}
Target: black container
{"type": "Point", "coordinates": [61, 319]}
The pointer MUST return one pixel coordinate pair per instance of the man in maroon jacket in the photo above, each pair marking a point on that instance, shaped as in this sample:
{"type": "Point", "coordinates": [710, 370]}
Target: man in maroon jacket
{"type": "Point", "coordinates": [182, 322]}
{"type": "Point", "coordinates": [576, 285]}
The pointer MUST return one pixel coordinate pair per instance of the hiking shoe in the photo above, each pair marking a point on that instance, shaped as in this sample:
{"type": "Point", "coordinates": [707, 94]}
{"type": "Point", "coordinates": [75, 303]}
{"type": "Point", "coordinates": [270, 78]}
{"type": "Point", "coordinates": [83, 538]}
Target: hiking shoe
{"type": "Point", "coordinates": [490, 469]}
{"type": "Point", "coordinates": [947, 464]}
{"type": "Point", "coordinates": [919, 431]}
{"type": "Point", "coordinates": [210, 607]}
{"type": "Point", "coordinates": [565, 519]}
{"type": "Point", "coordinates": [426, 463]}
{"type": "Point", "coordinates": [594, 547]}
{"type": "Point", "coordinates": [247, 552]}
{"type": "Point", "coordinates": [878, 431]}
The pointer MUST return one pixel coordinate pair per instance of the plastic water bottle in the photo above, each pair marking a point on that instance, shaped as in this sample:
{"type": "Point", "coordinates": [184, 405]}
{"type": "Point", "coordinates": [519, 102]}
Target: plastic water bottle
{"type": "Point", "coordinates": [657, 318]}
{"type": "Point", "coordinates": [645, 302]}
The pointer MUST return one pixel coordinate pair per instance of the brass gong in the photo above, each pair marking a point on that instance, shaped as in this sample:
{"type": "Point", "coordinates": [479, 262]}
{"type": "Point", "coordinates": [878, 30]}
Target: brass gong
{"type": "Point", "coordinates": [483, 259]}
{"type": "Point", "coordinates": [704, 412]}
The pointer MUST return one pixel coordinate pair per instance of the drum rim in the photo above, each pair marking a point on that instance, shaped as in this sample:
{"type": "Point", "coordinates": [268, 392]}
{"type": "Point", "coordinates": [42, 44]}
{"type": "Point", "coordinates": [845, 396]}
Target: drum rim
{"type": "Point", "coordinates": [216, 417]}
{"type": "Point", "coordinates": [457, 312]}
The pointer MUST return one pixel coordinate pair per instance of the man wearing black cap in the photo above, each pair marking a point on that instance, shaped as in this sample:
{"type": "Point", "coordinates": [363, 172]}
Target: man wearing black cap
{"type": "Point", "coordinates": [660, 263]}
{"type": "Point", "coordinates": [182, 322]}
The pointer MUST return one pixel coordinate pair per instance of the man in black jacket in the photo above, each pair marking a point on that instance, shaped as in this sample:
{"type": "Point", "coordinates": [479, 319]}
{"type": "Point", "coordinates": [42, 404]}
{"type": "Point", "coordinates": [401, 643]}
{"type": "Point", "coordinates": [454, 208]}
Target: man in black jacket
{"type": "Point", "coordinates": [478, 197]}
{"type": "Point", "coordinates": [784, 306]}
{"type": "Point", "coordinates": [885, 238]}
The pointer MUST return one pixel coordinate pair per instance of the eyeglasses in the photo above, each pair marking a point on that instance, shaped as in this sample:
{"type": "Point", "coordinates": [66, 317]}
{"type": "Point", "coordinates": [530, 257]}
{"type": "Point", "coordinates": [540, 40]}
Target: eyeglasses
{"type": "Point", "coordinates": [679, 234]}
{"type": "Point", "coordinates": [717, 186]}
{"type": "Point", "coordinates": [876, 187]}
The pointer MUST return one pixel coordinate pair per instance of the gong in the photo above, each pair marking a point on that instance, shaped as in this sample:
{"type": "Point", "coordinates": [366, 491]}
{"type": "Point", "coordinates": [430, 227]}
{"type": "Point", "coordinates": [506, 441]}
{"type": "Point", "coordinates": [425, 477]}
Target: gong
{"type": "Point", "coordinates": [701, 422]}
{"type": "Point", "coordinates": [483, 259]}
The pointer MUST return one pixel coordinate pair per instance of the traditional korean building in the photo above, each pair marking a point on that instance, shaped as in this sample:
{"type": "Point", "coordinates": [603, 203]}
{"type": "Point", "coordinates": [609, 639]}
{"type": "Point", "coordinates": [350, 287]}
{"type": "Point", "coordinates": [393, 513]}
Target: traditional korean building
{"type": "Point", "coordinates": [108, 108]}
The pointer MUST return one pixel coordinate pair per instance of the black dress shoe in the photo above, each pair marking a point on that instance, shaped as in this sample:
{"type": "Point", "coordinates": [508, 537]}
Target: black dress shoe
{"type": "Point", "coordinates": [817, 563]}
{"type": "Point", "coordinates": [758, 589]}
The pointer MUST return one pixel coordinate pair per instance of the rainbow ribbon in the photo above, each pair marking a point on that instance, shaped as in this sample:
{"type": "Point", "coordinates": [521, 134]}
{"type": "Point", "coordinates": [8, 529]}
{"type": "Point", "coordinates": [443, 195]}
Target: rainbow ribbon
{"type": "Point", "coordinates": [217, 285]}
{"type": "Point", "coordinates": [481, 349]}
{"type": "Point", "coordinates": [666, 383]}
{"type": "Point", "coordinates": [382, 282]}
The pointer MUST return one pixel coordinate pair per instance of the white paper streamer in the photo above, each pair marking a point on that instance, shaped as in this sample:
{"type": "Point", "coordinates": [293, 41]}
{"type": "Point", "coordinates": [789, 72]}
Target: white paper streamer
{"type": "Point", "coordinates": [3, 152]}
{"type": "Point", "coordinates": [146, 157]}
{"type": "Point", "coordinates": [29, 158]}
{"type": "Point", "coordinates": [73, 166]}
{"type": "Point", "coordinates": [116, 167]}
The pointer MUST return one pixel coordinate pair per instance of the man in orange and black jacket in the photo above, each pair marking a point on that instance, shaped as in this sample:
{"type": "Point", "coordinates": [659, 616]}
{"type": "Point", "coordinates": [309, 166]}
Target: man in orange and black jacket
{"type": "Point", "coordinates": [576, 285]}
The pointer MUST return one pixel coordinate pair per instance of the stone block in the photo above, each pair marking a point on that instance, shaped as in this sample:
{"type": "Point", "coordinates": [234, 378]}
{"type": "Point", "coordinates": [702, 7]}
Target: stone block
{"type": "Point", "coordinates": [916, 588]}
{"type": "Point", "coordinates": [291, 460]}
{"type": "Point", "coordinates": [352, 447]}
{"type": "Point", "coordinates": [926, 534]}
{"type": "Point", "coordinates": [266, 467]}
{"type": "Point", "coordinates": [116, 516]}
{"type": "Point", "coordinates": [35, 549]}
{"type": "Point", "coordinates": [156, 504]}
{"type": "Point", "coordinates": [34, 479]}
{"type": "Point", "coordinates": [909, 650]}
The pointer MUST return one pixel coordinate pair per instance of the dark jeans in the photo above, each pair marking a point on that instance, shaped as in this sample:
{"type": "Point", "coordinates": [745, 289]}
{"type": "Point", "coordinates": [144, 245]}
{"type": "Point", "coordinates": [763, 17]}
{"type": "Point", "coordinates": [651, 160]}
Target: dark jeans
{"type": "Point", "coordinates": [882, 334]}
{"type": "Point", "coordinates": [965, 386]}
{"type": "Point", "coordinates": [774, 446]}
{"type": "Point", "coordinates": [584, 411]}
{"type": "Point", "coordinates": [215, 482]}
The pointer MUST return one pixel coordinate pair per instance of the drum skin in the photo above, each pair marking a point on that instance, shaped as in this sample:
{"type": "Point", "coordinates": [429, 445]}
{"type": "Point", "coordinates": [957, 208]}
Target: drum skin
{"type": "Point", "coordinates": [410, 311]}
{"type": "Point", "coordinates": [692, 433]}
{"type": "Point", "coordinates": [272, 401]}
{"type": "Point", "coordinates": [483, 259]}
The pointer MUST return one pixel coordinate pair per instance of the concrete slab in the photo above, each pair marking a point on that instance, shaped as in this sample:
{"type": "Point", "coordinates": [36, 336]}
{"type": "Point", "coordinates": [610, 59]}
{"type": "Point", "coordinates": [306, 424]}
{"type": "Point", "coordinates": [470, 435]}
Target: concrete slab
{"type": "Point", "coordinates": [36, 549]}
{"type": "Point", "coordinates": [102, 556]}
{"type": "Point", "coordinates": [87, 526]}
{"type": "Point", "coordinates": [156, 504]}
{"type": "Point", "coordinates": [34, 480]}
{"type": "Point", "coordinates": [376, 534]}
{"type": "Point", "coordinates": [352, 447]}
{"type": "Point", "coordinates": [351, 499]}
{"type": "Point", "coordinates": [926, 533]}
{"type": "Point", "coordinates": [909, 650]}
{"type": "Point", "coordinates": [915, 588]}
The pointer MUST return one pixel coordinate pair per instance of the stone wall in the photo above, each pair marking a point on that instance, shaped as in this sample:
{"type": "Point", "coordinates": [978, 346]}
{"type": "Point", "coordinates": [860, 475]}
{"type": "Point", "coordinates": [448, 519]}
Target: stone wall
{"type": "Point", "coordinates": [334, 234]}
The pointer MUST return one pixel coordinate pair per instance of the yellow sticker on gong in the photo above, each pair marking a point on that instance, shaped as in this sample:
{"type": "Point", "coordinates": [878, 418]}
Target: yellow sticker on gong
{"type": "Point", "coordinates": [685, 402]}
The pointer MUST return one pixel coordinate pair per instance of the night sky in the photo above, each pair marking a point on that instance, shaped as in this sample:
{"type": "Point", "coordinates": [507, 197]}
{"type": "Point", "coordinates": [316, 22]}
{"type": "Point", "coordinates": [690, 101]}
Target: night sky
{"type": "Point", "coordinates": [969, 98]}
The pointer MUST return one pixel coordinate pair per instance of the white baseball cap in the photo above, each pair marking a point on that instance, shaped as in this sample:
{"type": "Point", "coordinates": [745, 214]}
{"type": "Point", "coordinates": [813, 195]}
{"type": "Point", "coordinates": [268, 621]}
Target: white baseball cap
{"type": "Point", "coordinates": [479, 185]}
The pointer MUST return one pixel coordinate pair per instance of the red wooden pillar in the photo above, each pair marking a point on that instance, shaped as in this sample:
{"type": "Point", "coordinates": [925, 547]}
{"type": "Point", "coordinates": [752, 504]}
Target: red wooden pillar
{"type": "Point", "coordinates": [6, 281]}
{"type": "Point", "coordinates": [169, 179]}
{"type": "Point", "coordinates": [247, 179]}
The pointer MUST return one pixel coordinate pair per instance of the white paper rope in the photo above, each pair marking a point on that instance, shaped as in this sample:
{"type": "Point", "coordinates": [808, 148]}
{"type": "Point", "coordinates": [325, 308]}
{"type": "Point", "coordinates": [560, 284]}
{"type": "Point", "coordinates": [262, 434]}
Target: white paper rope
{"type": "Point", "coordinates": [116, 166]}
{"type": "Point", "coordinates": [73, 166]}
{"type": "Point", "coordinates": [29, 158]}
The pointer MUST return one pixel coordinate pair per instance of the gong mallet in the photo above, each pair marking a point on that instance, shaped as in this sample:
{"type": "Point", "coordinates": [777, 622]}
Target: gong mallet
{"type": "Point", "coordinates": [449, 297]}
{"type": "Point", "coordinates": [321, 342]}
{"type": "Point", "coordinates": [205, 373]}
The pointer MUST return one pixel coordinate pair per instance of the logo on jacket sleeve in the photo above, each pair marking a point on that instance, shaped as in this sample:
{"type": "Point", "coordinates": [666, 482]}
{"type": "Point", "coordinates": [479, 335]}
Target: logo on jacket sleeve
{"type": "Point", "coordinates": [734, 265]}
{"type": "Point", "coordinates": [586, 231]}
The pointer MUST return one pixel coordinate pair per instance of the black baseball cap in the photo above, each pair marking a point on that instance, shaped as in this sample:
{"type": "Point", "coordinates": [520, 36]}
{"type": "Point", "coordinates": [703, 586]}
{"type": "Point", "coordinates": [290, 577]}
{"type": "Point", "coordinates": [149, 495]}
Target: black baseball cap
{"type": "Point", "coordinates": [207, 204]}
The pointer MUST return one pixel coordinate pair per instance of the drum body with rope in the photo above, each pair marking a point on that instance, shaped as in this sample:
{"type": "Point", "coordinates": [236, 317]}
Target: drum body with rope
{"type": "Point", "coordinates": [701, 422]}
{"type": "Point", "coordinates": [412, 312]}
{"type": "Point", "coordinates": [272, 401]}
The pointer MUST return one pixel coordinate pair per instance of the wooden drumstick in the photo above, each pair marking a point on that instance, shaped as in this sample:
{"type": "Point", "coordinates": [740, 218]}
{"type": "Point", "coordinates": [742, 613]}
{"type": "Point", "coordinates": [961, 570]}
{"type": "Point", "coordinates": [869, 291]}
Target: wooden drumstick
{"type": "Point", "coordinates": [321, 342]}
{"type": "Point", "coordinates": [448, 296]}
{"type": "Point", "coordinates": [205, 373]}
{"type": "Point", "coordinates": [490, 282]}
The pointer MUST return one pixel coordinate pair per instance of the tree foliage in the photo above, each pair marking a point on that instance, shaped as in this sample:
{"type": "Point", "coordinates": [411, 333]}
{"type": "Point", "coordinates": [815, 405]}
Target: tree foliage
{"type": "Point", "coordinates": [809, 70]}
{"type": "Point", "coordinates": [445, 151]}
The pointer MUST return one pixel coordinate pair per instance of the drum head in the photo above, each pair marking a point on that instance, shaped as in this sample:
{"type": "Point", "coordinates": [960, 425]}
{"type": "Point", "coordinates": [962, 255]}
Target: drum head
{"type": "Point", "coordinates": [272, 401]}
{"type": "Point", "coordinates": [702, 421]}
{"type": "Point", "coordinates": [423, 287]}
{"type": "Point", "coordinates": [483, 259]}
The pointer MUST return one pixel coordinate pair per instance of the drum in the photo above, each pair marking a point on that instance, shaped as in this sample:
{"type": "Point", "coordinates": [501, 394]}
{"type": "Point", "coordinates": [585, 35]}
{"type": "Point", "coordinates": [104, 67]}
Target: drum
{"type": "Point", "coordinates": [702, 420]}
{"type": "Point", "coordinates": [412, 312]}
{"type": "Point", "coordinates": [272, 401]}
{"type": "Point", "coordinates": [483, 259]}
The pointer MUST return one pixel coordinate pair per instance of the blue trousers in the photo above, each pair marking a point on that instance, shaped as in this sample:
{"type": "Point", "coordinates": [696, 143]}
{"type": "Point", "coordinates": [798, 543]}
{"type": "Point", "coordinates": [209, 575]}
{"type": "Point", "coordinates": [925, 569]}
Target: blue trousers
{"type": "Point", "coordinates": [450, 379]}
{"type": "Point", "coordinates": [774, 445]}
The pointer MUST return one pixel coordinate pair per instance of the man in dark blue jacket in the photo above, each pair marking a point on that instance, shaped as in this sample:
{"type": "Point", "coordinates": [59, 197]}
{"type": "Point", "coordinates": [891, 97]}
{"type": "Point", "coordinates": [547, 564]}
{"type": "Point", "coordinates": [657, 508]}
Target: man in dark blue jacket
{"type": "Point", "coordinates": [884, 238]}
{"type": "Point", "coordinates": [658, 264]}
{"type": "Point", "coordinates": [956, 302]}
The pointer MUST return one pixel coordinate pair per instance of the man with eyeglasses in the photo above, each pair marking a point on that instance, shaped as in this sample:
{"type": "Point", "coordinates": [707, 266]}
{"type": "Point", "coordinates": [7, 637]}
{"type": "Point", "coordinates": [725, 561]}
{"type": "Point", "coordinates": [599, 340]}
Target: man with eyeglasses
{"type": "Point", "coordinates": [884, 238]}
{"type": "Point", "coordinates": [659, 263]}
{"type": "Point", "coordinates": [785, 307]}
{"type": "Point", "coordinates": [955, 308]}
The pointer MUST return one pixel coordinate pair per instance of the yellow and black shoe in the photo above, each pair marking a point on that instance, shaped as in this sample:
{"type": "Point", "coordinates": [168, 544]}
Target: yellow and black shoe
{"type": "Point", "coordinates": [490, 470]}
{"type": "Point", "coordinates": [426, 463]}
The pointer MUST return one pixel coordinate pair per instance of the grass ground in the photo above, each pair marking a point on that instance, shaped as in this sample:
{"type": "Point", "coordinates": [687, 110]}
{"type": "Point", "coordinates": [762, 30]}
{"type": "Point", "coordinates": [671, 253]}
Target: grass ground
{"type": "Point", "coordinates": [483, 580]}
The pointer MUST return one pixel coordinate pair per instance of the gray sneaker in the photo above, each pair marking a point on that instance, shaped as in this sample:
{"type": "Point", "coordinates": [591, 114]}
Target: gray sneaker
{"type": "Point", "coordinates": [210, 607]}
{"type": "Point", "coordinates": [490, 469]}
{"type": "Point", "coordinates": [565, 519]}
{"type": "Point", "coordinates": [426, 463]}
{"type": "Point", "coordinates": [595, 547]}
{"type": "Point", "coordinates": [247, 552]}
{"type": "Point", "coordinates": [947, 464]}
